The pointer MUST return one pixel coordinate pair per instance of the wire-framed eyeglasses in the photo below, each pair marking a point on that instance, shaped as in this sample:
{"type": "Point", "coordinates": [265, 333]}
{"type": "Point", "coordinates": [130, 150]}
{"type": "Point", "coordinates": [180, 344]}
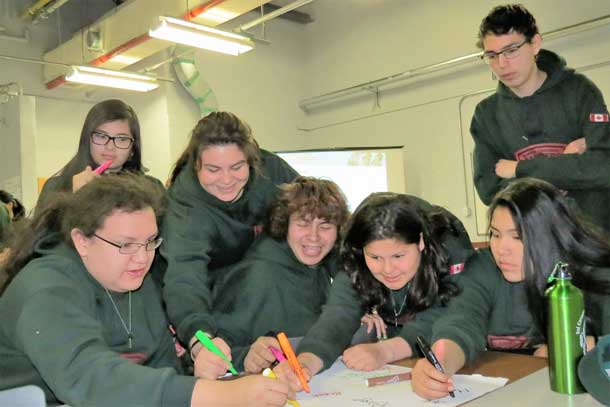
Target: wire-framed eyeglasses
{"type": "Point", "coordinates": [101, 139]}
{"type": "Point", "coordinates": [133, 247]}
{"type": "Point", "coordinates": [491, 57]}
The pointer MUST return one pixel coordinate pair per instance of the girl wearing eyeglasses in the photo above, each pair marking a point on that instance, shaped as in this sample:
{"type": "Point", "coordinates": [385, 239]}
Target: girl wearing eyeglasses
{"type": "Point", "coordinates": [111, 132]}
{"type": "Point", "coordinates": [80, 319]}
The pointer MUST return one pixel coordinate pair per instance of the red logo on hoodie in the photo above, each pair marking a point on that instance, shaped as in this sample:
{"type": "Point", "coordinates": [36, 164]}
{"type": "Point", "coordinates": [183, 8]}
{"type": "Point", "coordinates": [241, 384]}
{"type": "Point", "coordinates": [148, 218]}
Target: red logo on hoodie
{"type": "Point", "coordinates": [545, 149]}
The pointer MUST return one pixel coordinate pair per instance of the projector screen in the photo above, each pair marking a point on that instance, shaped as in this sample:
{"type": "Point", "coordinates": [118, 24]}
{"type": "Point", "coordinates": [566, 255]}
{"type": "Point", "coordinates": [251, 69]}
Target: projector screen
{"type": "Point", "coordinates": [358, 172]}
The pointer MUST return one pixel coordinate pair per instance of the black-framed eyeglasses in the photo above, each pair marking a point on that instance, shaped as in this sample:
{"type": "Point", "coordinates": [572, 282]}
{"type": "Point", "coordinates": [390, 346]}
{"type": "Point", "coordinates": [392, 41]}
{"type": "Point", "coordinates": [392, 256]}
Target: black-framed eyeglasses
{"type": "Point", "coordinates": [101, 139]}
{"type": "Point", "coordinates": [133, 247]}
{"type": "Point", "coordinates": [491, 57]}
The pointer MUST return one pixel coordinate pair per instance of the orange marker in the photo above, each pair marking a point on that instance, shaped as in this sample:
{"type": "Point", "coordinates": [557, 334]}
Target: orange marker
{"type": "Point", "coordinates": [292, 359]}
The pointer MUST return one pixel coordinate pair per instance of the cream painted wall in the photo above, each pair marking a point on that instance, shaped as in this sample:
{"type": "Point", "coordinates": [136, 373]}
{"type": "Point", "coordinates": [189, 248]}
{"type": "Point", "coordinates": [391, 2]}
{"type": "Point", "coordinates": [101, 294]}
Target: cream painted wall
{"type": "Point", "coordinates": [58, 127]}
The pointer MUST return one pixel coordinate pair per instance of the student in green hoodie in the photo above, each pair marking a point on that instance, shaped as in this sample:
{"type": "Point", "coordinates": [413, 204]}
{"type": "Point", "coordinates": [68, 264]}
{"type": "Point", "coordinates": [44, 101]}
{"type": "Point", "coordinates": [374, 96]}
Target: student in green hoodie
{"type": "Point", "coordinates": [15, 208]}
{"type": "Point", "coordinates": [221, 188]}
{"type": "Point", "coordinates": [11, 211]}
{"type": "Point", "coordinates": [395, 260]}
{"type": "Point", "coordinates": [5, 223]}
{"type": "Point", "coordinates": [81, 320]}
{"type": "Point", "coordinates": [501, 306]}
{"type": "Point", "coordinates": [544, 120]}
{"type": "Point", "coordinates": [111, 131]}
{"type": "Point", "coordinates": [284, 279]}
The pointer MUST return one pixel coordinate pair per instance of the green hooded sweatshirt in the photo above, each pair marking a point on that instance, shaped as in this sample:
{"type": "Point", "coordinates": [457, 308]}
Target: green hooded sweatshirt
{"type": "Point", "coordinates": [341, 315]}
{"type": "Point", "coordinates": [202, 234]}
{"type": "Point", "coordinates": [535, 130]}
{"type": "Point", "coordinates": [491, 312]}
{"type": "Point", "coordinates": [269, 291]}
{"type": "Point", "coordinates": [5, 223]}
{"type": "Point", "coordinates": [60, 331]}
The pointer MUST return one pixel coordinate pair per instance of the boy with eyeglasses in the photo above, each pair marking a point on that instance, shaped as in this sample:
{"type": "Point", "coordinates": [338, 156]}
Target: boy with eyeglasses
{"type": "Point", "coordinates": [544, 121]}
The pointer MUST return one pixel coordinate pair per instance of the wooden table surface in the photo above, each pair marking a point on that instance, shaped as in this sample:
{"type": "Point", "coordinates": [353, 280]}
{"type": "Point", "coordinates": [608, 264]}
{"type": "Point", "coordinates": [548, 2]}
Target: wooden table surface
{"type": "Point", "coordinates": [497, 364]}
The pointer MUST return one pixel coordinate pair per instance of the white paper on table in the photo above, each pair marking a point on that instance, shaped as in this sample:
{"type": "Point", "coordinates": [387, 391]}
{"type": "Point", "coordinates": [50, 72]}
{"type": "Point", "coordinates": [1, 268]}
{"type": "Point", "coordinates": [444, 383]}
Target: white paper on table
{"type": "Point", "coordinates": [340, 386]}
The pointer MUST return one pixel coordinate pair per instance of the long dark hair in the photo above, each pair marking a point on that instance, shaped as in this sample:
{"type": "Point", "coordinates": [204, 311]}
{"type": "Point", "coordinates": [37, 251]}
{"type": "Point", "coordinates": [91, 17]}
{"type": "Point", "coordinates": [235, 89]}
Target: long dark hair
{"type": "Point", "coordinates": [103, 112]}
{"type": "Point", "coordinates": [552, 230]}
{"type": "Point", "coordinates": [397, 216]}
{"type": "Point", "coordinates": [218, 128]}
{"type": "Point", "coordinates": [86, 210]}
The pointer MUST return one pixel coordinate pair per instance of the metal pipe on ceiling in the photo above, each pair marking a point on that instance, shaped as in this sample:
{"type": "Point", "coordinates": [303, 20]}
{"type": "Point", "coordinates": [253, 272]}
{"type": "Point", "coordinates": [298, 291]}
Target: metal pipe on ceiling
{"type": "Point", "coordinates": [47, 10]}
{"type": "Point", "coordinates": [65, 65]}
{"type": "Point", "coordinates": [273, 14]}
{"type": "Point", "coordinates": [32, 61]}
{"type": "Point", "coordinates": [33, 9]}
{"type": "Point", "coordinates": [427, 69]}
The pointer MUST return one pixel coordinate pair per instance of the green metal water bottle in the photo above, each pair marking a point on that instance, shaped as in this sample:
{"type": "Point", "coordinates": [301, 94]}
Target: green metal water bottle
{"type": "Point", "coordinates": [566, 330]}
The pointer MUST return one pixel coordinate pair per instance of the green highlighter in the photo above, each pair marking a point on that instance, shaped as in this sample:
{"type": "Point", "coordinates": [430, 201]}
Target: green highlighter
{"type": "Point", "coordinates": [211, 346]}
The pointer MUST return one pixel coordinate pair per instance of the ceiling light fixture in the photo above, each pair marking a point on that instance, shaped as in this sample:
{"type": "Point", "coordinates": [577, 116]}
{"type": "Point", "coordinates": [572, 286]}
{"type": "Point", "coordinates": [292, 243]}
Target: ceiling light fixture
{"type": "Point", "coordinates": [113, 79]}
{"type": "Point", "coordinates": [200, 36]}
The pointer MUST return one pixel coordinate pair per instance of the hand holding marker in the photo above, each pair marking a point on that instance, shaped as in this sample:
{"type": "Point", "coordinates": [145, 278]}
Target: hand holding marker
{"type": "Point", "coordinates": [277, 353]}
{"type": "Point", "coordinates": [269, 373]}
{"type": "Point", "coordinates": [211, 346]}
{"type": "Point", "coordinates": [99, 170]}
{"type": "Point", "coordinates": [292, 359]}
{"type": "Point", "coordinates": [431, 357]}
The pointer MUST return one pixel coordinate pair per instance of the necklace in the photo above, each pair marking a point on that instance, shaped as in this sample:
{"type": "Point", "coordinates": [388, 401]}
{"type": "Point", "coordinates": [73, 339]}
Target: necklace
{"type": "Point", "coordinates": [397, 313]}
{"type": "Point", "coordinates": [116, 309]}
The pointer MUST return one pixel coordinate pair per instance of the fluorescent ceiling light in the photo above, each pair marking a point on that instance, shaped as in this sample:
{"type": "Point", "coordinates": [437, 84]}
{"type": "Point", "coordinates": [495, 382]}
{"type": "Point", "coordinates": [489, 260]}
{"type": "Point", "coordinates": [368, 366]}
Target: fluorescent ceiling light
{"type": "Point", "coordinates": [113, 79]}
{"type": "Point", "coordinates": [200, 36]}
{"type": "Point", "coordinates": [217, 15]}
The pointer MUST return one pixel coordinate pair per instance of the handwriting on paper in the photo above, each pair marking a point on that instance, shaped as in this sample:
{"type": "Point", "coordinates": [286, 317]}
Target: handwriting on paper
{"type": "Point", "coordinates": [369, 402]}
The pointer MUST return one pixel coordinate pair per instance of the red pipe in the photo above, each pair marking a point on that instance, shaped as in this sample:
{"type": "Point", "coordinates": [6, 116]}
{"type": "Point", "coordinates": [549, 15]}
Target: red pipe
{"type": "Point", "coordinates": [201, 9]}
{"type": "Point", "coordinates": [60, 80]}
{"type": "Point", "coordinates": [134, 42]}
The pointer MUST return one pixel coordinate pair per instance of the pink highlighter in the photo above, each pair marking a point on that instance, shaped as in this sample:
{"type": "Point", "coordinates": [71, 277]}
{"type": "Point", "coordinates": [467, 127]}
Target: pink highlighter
{"type": "Point", "coordinates": [277, 353]}
{"type": "Point", "coordinates": [99, 170]}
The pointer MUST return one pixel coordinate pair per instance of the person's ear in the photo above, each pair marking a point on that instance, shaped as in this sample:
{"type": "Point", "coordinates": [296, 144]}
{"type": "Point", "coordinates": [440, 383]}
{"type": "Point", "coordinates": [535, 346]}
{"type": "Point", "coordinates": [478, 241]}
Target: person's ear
{"type": "Point", "coordinates": [536, 42]}
{"type": "Point", "coordinates": [422, 244]}
{"type": "Point", "coordinates": [10, 206]}
{"type": "Point", "coordinates": [81, 242]}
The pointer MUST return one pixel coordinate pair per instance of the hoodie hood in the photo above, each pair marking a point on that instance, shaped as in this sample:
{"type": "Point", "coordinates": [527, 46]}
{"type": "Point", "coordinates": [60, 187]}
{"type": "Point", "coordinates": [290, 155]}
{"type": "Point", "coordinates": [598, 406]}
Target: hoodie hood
{"type": "Point", "coordinates": [549, 62]}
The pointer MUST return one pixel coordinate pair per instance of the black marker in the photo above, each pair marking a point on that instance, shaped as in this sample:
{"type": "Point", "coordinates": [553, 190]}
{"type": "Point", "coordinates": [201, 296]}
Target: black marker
{"type": "Point", "coordinates": [431, 357]}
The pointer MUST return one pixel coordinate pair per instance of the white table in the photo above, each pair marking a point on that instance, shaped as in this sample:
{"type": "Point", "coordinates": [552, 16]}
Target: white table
{"type": "Point", "coordinates": [533, 391]}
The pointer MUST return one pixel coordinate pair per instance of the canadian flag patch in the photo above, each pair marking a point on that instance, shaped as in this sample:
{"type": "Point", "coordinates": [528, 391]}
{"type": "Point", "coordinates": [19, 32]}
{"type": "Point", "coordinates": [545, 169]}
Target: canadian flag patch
{"type": "Point", "coordinates": [598, 117]}
{"type": "Point", "coordinates": [456, 268]}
